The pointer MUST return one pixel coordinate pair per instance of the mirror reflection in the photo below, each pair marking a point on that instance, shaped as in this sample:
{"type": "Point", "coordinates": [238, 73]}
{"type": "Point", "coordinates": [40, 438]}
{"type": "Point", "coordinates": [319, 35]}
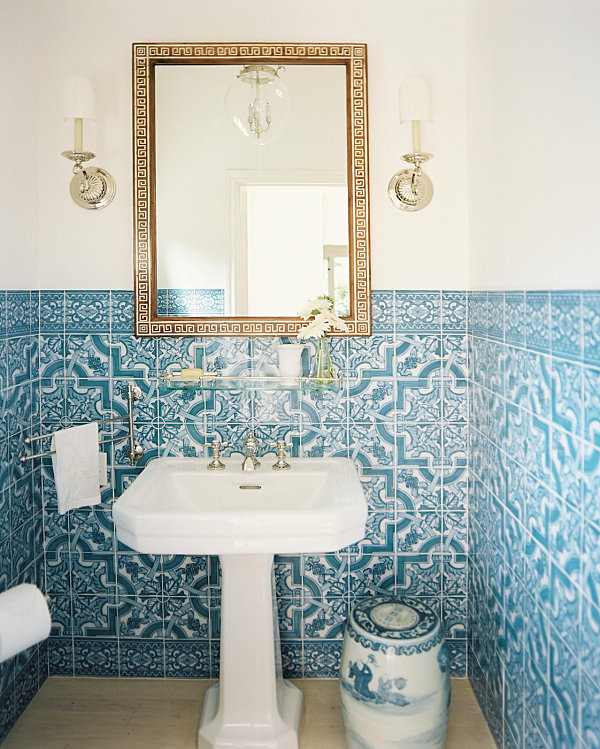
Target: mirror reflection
{"type": "Point", "coordinates": [251, 188]}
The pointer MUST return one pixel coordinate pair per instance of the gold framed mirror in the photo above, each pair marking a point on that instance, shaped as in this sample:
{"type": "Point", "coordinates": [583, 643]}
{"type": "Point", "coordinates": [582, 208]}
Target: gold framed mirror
{"type": "Point", "coordinates": [250, 186]}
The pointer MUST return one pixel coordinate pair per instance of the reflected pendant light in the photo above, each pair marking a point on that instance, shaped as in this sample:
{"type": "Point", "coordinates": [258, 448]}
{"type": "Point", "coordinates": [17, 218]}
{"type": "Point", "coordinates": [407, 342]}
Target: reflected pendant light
{"type": "Point", "coordinates": [259, 103]}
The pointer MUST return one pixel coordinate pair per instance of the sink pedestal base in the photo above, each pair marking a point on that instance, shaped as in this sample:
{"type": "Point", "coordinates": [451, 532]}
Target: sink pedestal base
{"type": "Point", "coordinates": [252, 706]}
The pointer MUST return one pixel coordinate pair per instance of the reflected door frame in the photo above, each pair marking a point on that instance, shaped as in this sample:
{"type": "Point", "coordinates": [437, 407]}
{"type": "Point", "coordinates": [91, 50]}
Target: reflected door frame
{"type": "Point", "coordinates": [237, 183]}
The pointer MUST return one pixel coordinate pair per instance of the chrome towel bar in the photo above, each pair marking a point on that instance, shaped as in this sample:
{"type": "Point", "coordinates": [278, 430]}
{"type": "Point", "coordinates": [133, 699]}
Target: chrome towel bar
{"type": "Point", "coordinates": [135, 451]}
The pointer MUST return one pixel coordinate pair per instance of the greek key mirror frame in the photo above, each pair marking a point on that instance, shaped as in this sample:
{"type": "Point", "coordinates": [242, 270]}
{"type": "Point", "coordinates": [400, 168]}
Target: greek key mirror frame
{"type": "Point", "coordinates": [145, 57]}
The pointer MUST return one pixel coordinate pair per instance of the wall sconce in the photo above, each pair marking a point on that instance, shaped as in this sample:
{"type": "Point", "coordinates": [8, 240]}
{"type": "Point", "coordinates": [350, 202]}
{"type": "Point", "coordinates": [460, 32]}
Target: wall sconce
{"type": "Point", "coordinates": [259, 102]}
{"type": "Point", "coordinates": [411, 189]}
{"type": "Point", "coordinates": [91, 187]}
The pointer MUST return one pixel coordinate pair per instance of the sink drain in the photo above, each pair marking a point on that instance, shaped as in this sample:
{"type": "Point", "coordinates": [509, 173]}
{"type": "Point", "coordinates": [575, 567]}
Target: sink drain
{"type": "Point", "coordinates": [250, 486]}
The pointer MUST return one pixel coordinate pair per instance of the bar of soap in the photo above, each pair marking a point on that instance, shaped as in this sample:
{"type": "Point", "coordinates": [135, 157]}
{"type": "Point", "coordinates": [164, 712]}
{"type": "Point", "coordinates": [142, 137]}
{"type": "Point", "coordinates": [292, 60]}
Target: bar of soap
{"type": "Point", "coordinates": [192, 372]}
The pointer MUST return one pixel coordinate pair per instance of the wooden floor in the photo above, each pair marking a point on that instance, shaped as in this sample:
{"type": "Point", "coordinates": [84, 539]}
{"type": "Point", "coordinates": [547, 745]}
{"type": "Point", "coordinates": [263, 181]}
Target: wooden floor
{"type": "Point", "coordinates": [84, 713]}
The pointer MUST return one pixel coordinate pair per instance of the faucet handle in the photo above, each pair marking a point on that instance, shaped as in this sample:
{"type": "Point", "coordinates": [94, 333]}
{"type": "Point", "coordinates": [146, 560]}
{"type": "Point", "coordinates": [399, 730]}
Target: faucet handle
{"type": "Point", "coordinates": [281, 464]}
{"type": "Point", "coordinates": [251, 443]}
{"type": "Point", "coordinates": [215, 464]}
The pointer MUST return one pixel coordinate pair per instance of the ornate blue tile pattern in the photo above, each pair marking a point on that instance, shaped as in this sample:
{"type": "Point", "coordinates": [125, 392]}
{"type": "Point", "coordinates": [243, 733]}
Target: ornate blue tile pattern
{"type": "Point", "coordinates": [191, 302]}
{"type": "Point", "coordinates": [401, 418]}
{"type": "Point", "coordinates": [534, 517]}
{"type": "Point", "coordinates": [522, 420]}
{"type": "Point", "coordinates": [21, 547]}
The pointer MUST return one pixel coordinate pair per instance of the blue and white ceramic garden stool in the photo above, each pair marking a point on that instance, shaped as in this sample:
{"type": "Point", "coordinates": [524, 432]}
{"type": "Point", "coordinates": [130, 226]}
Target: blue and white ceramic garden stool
{"type": "Point", "coordinates": [394, 680]}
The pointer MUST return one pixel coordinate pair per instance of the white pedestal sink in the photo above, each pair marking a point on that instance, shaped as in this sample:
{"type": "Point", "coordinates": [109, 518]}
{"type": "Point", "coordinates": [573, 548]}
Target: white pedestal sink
{"type": "Point", "coordinates": [176, 506]}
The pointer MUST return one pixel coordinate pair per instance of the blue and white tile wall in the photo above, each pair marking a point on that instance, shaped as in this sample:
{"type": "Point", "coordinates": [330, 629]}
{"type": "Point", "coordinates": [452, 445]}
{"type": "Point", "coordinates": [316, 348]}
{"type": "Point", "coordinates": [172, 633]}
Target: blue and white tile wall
{"type": "Point", "coordinates": [191, 302]}
{"type": "Point", "coordinates": [534, 504]}
{"type": "Point", "coordinates": [401, 418]}
{"type": "Point", "coordinates": [21, 548]}
{"type": "Point", "coordinates": [534, 454]}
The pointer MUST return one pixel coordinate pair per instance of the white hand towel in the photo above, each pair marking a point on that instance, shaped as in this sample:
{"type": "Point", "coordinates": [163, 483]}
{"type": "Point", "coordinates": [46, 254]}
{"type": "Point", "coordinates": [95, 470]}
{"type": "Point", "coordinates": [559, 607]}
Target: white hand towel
{"type": "Point", "coordinates": [103, 479]}
{"type": "Point", "coordinates": [76, 467]}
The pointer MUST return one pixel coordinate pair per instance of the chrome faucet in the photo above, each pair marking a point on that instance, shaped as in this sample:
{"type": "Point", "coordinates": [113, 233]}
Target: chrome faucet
{"type": "Point", "coordinates": [250, 462]}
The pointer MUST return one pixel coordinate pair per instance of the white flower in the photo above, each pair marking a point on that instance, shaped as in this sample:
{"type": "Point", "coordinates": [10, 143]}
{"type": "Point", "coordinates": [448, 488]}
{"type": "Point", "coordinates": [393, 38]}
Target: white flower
{"type": "Point", "coordinates": [336, 322]}
{"type": "Point", "coordinates": [324, 319]}
{"type": "Point", "coordinates": [314, 306]}
{"type": "Point", "coordinates": [316, 328]}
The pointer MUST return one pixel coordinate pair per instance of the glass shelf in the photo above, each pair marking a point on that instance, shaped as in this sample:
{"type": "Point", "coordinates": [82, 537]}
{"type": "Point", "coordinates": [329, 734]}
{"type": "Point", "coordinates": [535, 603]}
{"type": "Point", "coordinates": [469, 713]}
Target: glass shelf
{"type": "Point", "coordinates": [221, 382]}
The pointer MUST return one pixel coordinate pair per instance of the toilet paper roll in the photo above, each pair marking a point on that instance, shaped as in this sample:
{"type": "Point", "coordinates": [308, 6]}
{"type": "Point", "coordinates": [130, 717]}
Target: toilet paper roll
{"type": "Point", "coordinates": [24, 619]}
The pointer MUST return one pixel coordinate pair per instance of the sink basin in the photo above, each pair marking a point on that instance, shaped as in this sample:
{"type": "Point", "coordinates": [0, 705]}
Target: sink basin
{"type": "Point", "coordinates": [176, 506]}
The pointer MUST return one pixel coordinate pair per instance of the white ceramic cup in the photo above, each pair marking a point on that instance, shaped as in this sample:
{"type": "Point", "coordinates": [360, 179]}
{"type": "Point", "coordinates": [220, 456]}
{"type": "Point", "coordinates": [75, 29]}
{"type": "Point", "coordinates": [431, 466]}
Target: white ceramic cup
{"type": "Point", "coordinates": [289, 357]}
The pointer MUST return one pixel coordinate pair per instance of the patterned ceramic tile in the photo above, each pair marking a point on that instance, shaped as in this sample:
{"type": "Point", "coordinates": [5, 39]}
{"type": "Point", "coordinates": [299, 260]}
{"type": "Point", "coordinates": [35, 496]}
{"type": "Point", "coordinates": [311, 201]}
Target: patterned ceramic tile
{"type": "Point", "coordinates": [22, 359]}
{"type": "Point", "coordinates": [418, 311]}
{"type": "Point", "coordinates": [186, 617]}
{"type": "Point", "coordinates": [182, 302]}
{"type": "Point", "coordinates": [60, 656]}
{"type": "Point", "coordinates": [177, 353]}
{"type": "Point", "coordinates": [591, 484]}
{"type": "Point", "coordinates": [454, 311]}
{"type": "Point", "coordinates": [537, 329]}
{"type": "Point", "coordinates": [121, 311]}
{"type": "Point", "coordinates": [565, 313]}
{"type": "Point", "coordinates": [477, 306]}
{"type": "Point", "coordinates": [418, 401]}
{"type": "Point", "coordinates": [324, 619]}
{"type": "Point", "coordinates": [322, 658]}
{"type": "Point", "coordinates": [454, 356]}
{"type": "Point", "coordinates": [371, 357]}
{"type": "Point", "coordinates": [514, 317]}
{"type": "Point", "coordinates": [162, 302]}
{"type": "Point", "coordinates": [95, 657]}
{"type": "Point", "coordinates": [454, 400]}
{"type": "Point", "coordinates": [52, 312]}
{"type": "Point", "coordinates": [87, 311]}
{"type": "Point", "coordinates": [142, 658]}
{"type": "Point", "coordinates": [326, 577]}
{"type": "Point", "coordinates": [187, 660]}
{"type": "Point", "coordinates": [372, 574]}
{"type": "Point", "coordinates": [94, 615]}
{"type": "Point", "coordinates": [495, 307]}
{"type": "Point", "coordinates": [3, 305]}
{"type": "Point", "coordinates": [86, 356]}
{"type": "Point", "coordinates": [567, 395]}
{"type": "Point", "coordinates": [590, 713]}
{"type": "Point", "coordinates": [183, 575]}
{"type": "Point", "coordinates": [139, 575]}
{"type": "Point", "coordinates": [591, 327]}
{"type": "Point", "coordinates": [418, 489]}
{"type": "Point", "coordinates": [591, 404]}
{"type": "Point", "coordinates": [18, 313]}
{"type": "Point", "coordinates": [133, 358]}
{"type": "Point", "coordinates": [141, 617]}
{"type": "Point", "coordinates": [418, 355]}
{"type": "Point", "coordinates": [419, 445]}
{"type": "Point", "coordinates": [230, 356]}
{"type": "Point", "coordinates": [382, 311]}
{"type": "Point", "coordinates": [371, 400]}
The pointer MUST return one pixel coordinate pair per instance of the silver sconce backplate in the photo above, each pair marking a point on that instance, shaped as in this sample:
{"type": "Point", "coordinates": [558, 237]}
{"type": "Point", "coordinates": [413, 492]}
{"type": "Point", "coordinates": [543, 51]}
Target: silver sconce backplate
{"type": "Point", "coordinates": [411, 189]}
{"type": "Point", "coordinates": [91, 186]}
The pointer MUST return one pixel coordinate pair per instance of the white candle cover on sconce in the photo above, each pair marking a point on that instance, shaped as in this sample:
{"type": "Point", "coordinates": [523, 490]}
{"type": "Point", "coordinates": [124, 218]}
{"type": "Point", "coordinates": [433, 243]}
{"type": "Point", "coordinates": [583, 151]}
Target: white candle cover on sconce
{"type": "Point", "coordinates": [79, 105]}
{"type": "Point", "coordinates": [415, 105]}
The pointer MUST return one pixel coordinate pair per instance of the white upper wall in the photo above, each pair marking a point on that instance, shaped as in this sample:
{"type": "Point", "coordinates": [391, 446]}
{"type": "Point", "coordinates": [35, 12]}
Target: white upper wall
{"type": "Point", "coordinates": [19, 145]}
{"type": "Point", "coordinates": [93, 249]}
{"type": "Point", "coordinates": [533, 76]}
